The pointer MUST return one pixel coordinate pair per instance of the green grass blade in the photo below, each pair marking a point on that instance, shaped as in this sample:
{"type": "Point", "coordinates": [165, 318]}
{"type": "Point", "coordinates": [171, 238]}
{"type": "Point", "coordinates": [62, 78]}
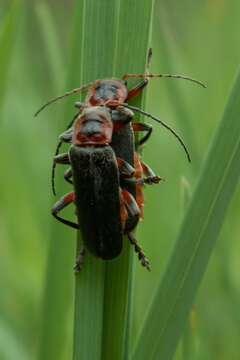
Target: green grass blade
{"type": "Point", "coordinates": [130, 56]}
{"type": "Point", "coordinates": [188, 341]}
{"type": "Point", "coordinates": [58, 287]}
{"type": "Point", "coordinates": [199, 231]}
{"type": "Point", "coordinates": [189, 337]}
{"type": "Point", "coordinates": [96, 35]}
{"type": "Point", "coordinates": [105, 306]}
{"type": "Point", "coordinates": [165, 41]}
{"type": "Point", "coordinates": [11, 348]}
{"type": "Point", "coordinates": [7, 39]}
{"type": "Point", "coordinates": [52, 43]}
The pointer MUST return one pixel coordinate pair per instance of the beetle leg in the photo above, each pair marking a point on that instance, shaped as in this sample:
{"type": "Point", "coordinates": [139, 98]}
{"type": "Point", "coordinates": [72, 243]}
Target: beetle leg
{"type": "Point", "coordinates": [151, 177]}
{"type": "Point", "coordinates": [131, 204]}
{"type": "Point", "coordinates": [66, 136]}
{"type": "Point", "coordinates": [79, 260]}
{"type": "Point", "coordinates": [141, 256]}
{"type": "Point", "coordinates": [123, 210]}
{"type": "Point", "coordinates": [142, 127]}
{"type": "Point", "coordinates": [79, 105]}
{"type": "Point", "coordinates": [125, 168]}
{"type": "Point", "coordinates": [61, 204]}
{"type": "Point", "coordinates": [68, 175]}
{"type": "Point", "coordinates": [144, 181]}
{"type": "Point", "coordinates": [136, 90]}
{"type": "Point", "coordinates": [58, 159]}
{"type": "Point", "coordinates": [62, 159]}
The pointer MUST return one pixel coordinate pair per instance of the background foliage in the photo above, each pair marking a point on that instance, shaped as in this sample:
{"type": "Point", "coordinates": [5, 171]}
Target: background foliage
{"type": "Point", "coordinates": [197, 38]}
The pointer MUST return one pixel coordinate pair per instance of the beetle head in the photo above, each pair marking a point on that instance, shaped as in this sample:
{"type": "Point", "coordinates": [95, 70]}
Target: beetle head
{"type": "Point", "coordinates": [93, 127]}
{"type": "Point", "coordinates": [109, 92]}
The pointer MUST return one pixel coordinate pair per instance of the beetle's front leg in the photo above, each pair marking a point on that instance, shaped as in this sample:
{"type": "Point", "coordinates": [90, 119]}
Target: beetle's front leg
{"type": "Point", "coordinates": [79, 105]}
{"type": "Point", "coordinates": [136, 90]}
{"type": "Point", "coordinates": [137, 126]}
{"type": "Point", "coordinates": [66, 136]}
{"type": "Point", "coordinates": [62, 159]}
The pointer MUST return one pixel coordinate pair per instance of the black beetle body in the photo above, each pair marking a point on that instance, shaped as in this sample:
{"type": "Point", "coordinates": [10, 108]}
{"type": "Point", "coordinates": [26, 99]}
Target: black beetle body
{"type": "Point", "coordinates": [96, 184]}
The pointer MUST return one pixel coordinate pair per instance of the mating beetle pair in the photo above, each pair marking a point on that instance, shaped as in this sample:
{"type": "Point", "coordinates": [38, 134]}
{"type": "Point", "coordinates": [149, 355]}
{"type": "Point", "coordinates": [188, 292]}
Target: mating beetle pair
{"type": "Point", "coordinates": [106, 209]}
{"type": "Point", "coordinates": [107, 172]}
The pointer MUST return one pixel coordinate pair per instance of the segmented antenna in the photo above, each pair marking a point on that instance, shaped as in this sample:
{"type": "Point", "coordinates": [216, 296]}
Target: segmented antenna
{"type": "Point", "coordinates": [150, 75]}
{"type": "Point", "coordinates": [74, 91]}
{"type": "Point", "coordinates": [163, 124]}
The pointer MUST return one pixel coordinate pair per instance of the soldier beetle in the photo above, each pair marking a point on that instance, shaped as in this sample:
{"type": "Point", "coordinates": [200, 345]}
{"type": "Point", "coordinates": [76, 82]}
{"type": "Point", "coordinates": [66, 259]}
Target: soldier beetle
{"type": "Point", "coordinates": [105, 209]}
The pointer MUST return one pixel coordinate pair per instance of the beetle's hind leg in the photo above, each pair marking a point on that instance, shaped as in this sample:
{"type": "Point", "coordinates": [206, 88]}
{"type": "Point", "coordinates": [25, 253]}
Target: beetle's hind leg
{"type": "Point", "coordinates": [134, 211]}
{"type": "Point", "coordinates": [141, 256]}
{"type": "Point", "coordinates": [131, 204]}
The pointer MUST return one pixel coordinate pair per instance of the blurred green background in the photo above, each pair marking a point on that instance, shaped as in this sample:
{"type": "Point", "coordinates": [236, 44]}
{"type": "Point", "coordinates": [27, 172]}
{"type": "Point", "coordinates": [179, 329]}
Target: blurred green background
{"type": "Point", "coordinates": [197, 38]}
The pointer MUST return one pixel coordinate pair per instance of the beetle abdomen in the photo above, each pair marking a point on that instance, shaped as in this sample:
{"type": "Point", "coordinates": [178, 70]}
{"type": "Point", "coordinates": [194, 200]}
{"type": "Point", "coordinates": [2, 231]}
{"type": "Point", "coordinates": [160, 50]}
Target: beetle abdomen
{"type": "Point", "coordinates": [96, 183]}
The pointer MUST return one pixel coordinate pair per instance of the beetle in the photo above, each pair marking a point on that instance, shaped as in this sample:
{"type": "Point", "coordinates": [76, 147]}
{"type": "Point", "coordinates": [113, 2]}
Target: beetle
{"type": "Point", "coordinates": [114, 93]}
{"type": "Point", "coordinates": [103, 205]}
{"type": "Point", "coordinates": [122, 142]}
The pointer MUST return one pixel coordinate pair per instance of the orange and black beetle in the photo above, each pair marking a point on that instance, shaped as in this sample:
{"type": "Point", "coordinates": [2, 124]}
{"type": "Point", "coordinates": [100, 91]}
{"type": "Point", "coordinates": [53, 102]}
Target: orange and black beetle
{"type": "Point", "coordinates": [104, 207]}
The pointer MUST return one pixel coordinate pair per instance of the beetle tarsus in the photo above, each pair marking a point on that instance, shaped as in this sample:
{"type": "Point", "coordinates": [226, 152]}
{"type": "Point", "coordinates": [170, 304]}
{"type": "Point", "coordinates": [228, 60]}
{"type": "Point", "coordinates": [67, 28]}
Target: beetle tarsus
{"type": "Point", "coordinates": [141, 256]}
{"type": "Point", "coordinates": [79, 261]}
{"type": "Point", "coordinates": [152, 180]}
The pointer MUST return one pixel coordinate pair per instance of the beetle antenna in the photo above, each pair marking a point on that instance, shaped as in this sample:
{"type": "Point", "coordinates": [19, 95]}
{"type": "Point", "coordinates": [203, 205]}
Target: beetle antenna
{"type": "Point", "coordinates": [150, 75]}
{"type": "Point", "coordinates": [163, 124]}
{"type": "Point", "coordinates": [74, 91]}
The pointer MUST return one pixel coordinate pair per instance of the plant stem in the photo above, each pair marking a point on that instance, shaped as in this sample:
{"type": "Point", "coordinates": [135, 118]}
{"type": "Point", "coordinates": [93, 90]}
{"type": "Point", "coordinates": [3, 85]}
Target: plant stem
{"type": "Point", "coordinates": [102, 295]}
{"type": "Point", "coordinates": [131, 56]}
{"type": "Point", "coordinates": [96, 35]}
